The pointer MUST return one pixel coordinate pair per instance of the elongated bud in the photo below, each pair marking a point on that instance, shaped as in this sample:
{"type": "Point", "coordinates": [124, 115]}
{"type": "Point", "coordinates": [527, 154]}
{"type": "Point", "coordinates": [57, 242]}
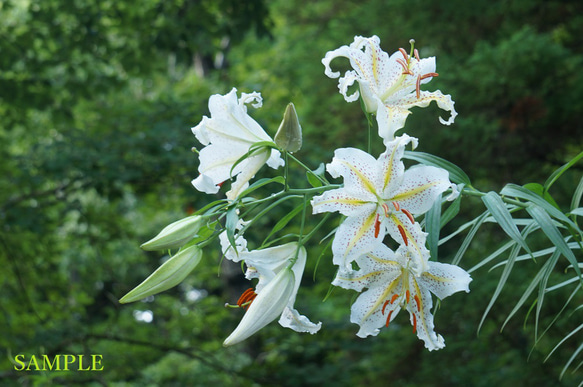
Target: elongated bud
{"type": "Point", "coordinates": [289, 134]}
{"type": "Point", "coordinates": [175, 234]}
{"type": "Point", "coordinates": [170, 274]}
{"type": "Point", "coordinates": [266, 307]}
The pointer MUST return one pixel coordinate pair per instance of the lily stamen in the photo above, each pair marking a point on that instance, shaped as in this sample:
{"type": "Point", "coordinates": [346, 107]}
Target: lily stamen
{"type": "Point", "coordinates": [387, 302]}
{"type": "Point", "coordinates": [414, 323]}
{"type": "Point", "coordinates": [409, 215]}
{"type": "Point", "coordinates": [403, 235]}
{"type": "Point", "coordinates": [246, 298]}
{"type": "Point", "coordinates": [397, 206]}
{"type": "Point", "coordinates": [389, 319]}
{"type": "Point", "coordinates": [416, 53]}
{"type": "Point", "coordinates": [418, 302]}
{"type": "Point", "coordinates": [405, 55]}
{"type": "Point", "coordinates": [405, 66]}
{"type": "Point", "coordinates": [377, 226]}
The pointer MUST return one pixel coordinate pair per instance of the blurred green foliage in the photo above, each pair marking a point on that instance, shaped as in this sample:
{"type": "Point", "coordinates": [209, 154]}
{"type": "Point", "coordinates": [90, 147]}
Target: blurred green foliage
{"type": "Point", "coordinates": [97, 98]}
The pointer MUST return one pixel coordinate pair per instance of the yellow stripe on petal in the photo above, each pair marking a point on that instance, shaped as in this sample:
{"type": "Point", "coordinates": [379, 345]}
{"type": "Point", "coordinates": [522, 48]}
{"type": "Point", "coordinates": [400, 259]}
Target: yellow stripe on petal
{"type": "Point", "coordinates": [366, 226]}
{"type": "Point", "coordinates": [366, 182]}
{"type": "Point", "coordinates": [415, 191]}
{"type": "Point", "coordinates": [384, 296]}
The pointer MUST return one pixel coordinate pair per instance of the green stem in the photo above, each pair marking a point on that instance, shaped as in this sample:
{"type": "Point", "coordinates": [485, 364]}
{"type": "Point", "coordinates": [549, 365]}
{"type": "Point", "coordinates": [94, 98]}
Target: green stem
{"type": "Point", "coordinates": [474, 192]}
{"type": "Point", "coordinates": [308, 170]}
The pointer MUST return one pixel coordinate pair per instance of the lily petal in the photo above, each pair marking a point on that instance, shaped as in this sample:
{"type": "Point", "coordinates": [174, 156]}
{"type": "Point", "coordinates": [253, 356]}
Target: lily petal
{"type": "Point", "coordinates": [266, 307]}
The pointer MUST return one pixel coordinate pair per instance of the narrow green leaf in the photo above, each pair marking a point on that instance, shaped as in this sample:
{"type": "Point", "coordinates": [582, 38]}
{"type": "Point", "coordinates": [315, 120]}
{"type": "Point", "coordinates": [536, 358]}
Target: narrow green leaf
{"type": "Point", "coordinates": [501, 282]}
{"type": "Point", "coordinates": [577, 195]}
{"type": "Point", "coordinates": [525, 194]}
{"type": "Point", "coordinates": [556, 174]}
{"type": "Point", "coordinates": [450, 212]}
{"type": "Point", "coordinates": [575, 330]}
{"type": "Point", "coordinates": [500, 212]}
{"type": "Point", "coordinates": [312, 176]}
{"type": "Point", "coordinates": [540, 191]}
{"type": "Point", "coordinates": [456, 174]}
{"type": "Point", "coordinates": [468, 239]}
{"type": "Point", "coordinates": [231, 225]}
{"type": "Point", "coordinates": [260, 183]}
{"type": "Point", "coordinates": [284, 221]}
{"type": "Point", "coordinates": [577, 211]}
{"type": "Point", "coordinates": [528, 291]}
{"type": "Point", "coordinates": [260, 146]}
{"type": "Point", "coordinates": [493, 256]}
{"type": "Point", "coordinates": [553, 233]}
{"type": "Point", "coordinates": [543, 285]}
{"type": "Point", "coordinates": [432, 222]}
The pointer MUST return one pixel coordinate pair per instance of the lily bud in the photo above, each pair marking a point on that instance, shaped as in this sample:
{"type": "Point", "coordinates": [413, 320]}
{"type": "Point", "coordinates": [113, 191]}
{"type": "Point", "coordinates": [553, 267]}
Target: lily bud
{"type": "Point", "coordinates": [289, 134]}
{"type": "Point", "coordinates": [266, 307]}
{"type": "Point", "coordinates": [170, 274]}
{"type": "Point", "coordinates": [175, 234]}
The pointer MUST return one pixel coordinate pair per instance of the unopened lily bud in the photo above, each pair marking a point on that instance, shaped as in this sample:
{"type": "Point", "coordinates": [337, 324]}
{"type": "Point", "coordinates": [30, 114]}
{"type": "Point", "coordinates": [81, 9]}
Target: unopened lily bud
{"type": "Point", "coordinates": [170, 274]}
{"type": "Point", "coordinates": [175, 234]}
{"type": "Point", "coordinates": [289, 134]}
{"type": "Point", "coordinates": [266, 307]}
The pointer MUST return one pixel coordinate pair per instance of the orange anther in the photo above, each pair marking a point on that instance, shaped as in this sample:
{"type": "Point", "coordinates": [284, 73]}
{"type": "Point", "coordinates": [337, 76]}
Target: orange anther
{"type": "Point", "coordinates": [411, 218]}
{"type": "Point", "coordinates": [414, 323]}
{"type": "Point", "coordinates": [403, 235]}
{"type": "Point", "coordinates": [377, 226]}
{"type": "Point", "coordinates": [418, 87]}
{"type": "Point", "coordinates": [395, 296]}
{"type": "Point", "coordinates": [405, 55]}
{"type": "Point", "coordinates": [405, 67]}
{"type": "Point", "coordinates": [408, 295]}
{"type": "Point", "coordinates": [416, 54]}
{"type": "Point", "coordinates": [389, 318]}
{"type": "Point", "coordinates": [418, 301]}
{"type": "Point", "coordinates": [384, 306]}
{"type": "Point", "coordinates": [246, 298]}
{"type": "Point", "coordinates": [429, 75]}
{"type": "Point", "coordinates": [386, 208]}
{"type": "Point", "coordinates": [397, 206]}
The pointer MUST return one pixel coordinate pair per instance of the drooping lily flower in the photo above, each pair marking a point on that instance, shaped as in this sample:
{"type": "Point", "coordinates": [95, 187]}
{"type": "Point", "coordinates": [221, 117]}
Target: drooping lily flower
{"type": "Point", "coordinates": [389, 86]}
{"type": "Point", "coordinates": [276, 291]}
{"type": "Point", "coordinates": [392, 285]}
{"type": "Point", "coordinates": [228, 135]}
{"type": "Point", "coordinates": [379, 196]}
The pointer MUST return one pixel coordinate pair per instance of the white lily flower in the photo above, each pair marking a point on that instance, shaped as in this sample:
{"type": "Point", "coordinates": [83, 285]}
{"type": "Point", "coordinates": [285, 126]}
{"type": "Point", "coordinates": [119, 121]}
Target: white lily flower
{"type": "Point", "coordinates": [228, 135]}
{"type": "Point", "coordinates": [392, 285]}
{"type": "Point", "coordinates": [273, 295]}
{"type": "Point", "coordinates": [379, 196]}
{"type": "Point", "coordinates": [389, 86]}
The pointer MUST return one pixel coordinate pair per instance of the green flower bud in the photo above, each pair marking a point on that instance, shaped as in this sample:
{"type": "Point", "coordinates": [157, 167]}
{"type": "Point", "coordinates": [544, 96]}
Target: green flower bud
{"type": "Point", "coordinates": [176, 234]}
{"type": "Point", "coordinates": [289, 134]}
{"type": "Point", "coordinates": [170, 274]}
